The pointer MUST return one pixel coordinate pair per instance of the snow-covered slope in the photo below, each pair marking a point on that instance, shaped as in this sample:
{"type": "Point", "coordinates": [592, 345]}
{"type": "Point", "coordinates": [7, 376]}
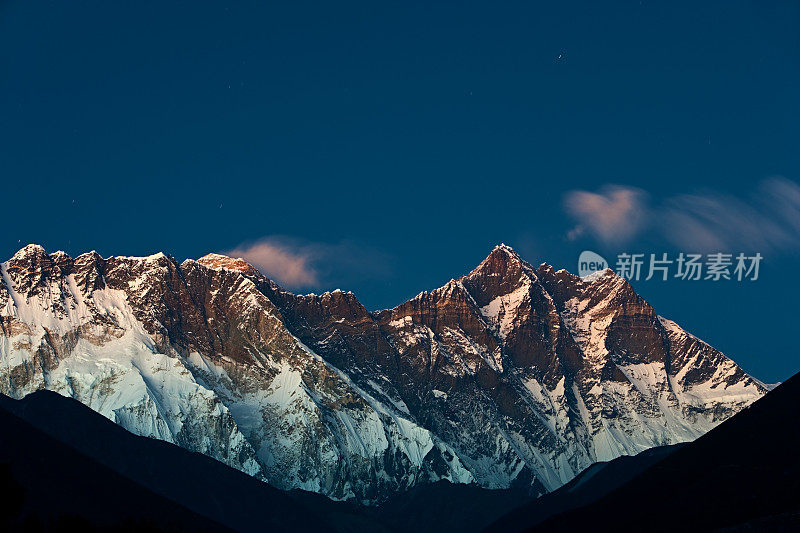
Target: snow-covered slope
{"type": "Point", "coordinates": [508, 376]}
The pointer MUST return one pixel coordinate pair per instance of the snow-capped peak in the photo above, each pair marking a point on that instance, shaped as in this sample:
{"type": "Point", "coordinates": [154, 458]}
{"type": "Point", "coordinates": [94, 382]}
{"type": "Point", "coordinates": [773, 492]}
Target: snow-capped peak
{"type": "Point", "coordinates": [219, 261]}
{"type": "Point", "coordinates": [507, 250]}
{"type": "Point", "coordinates": [599, 274]}
{"type": "Point", "coordinates": [30, 250]}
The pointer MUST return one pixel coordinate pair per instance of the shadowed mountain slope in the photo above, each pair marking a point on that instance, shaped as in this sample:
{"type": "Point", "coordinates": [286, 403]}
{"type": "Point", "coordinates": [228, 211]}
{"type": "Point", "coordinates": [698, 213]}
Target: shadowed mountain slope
{"type": "Point", "coordinates": [587, 487]}
{"type": "Point", "coordinates": [181, 478]}
{"type": "Point", "coordinates": [48, 486]}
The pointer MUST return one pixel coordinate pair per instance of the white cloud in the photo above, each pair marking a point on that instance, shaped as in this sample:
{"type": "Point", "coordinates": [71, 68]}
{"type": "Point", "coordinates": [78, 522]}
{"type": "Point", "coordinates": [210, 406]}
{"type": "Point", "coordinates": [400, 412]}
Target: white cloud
{"type": "Point", "coordinates": [766, 220]}
{"type": "Point", "coordinates": [769, 219]}
{"type": "Point", "coordinates": [286, 265]}
{"type": "Point", "coordinates": [613, 215]}
{"type": "Point", "coordinates": [296, 264]}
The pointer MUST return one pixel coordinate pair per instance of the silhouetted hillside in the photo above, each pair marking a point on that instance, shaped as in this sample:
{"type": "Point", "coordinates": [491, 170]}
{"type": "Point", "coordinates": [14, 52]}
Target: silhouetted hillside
{"type": "Point", "coordinates": [47, 485]}
{"type": "Point", "coordinates": [589, 486]}
{"type": "Point", "coordinates": [195, 481]}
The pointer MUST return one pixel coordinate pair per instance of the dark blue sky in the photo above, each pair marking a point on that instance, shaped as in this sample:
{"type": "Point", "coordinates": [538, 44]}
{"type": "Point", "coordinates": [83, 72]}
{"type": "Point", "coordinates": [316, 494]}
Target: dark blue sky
{"type": "Point", "coordinates": [388, 147]}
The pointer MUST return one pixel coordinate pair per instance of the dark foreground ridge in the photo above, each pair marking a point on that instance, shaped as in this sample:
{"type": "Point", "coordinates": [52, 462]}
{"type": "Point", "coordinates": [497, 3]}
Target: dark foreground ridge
{"type": "Point", "coordinates": [48, 486]}
{"type": "Point", "coordinates": [587, 487]}
{"type": "Point", "coordinates": [72, 461]}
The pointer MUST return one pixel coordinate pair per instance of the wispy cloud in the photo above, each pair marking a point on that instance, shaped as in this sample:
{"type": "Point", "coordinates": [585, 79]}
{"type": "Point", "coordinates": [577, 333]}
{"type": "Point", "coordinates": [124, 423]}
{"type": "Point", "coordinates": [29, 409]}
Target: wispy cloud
{"type": "Point", "coordinates": [286, 265]}
{"type": "Point", "coordinates": [768, 219]}
{"type": "Point", "coordinates": [612, 215]}
{"type": "Point", "coordinates": [297, 264]}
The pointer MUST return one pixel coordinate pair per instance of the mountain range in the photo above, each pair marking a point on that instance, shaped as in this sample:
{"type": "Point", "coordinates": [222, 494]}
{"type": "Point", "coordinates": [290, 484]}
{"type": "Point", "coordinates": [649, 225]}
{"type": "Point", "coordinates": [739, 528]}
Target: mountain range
{"type": "Point", "coordinates": [509, 377]}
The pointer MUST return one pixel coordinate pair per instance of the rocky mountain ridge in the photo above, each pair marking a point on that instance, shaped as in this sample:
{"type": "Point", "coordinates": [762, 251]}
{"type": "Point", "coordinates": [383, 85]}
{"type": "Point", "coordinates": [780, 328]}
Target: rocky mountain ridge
{"type": "Point", "coordinates": [508, 376]}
